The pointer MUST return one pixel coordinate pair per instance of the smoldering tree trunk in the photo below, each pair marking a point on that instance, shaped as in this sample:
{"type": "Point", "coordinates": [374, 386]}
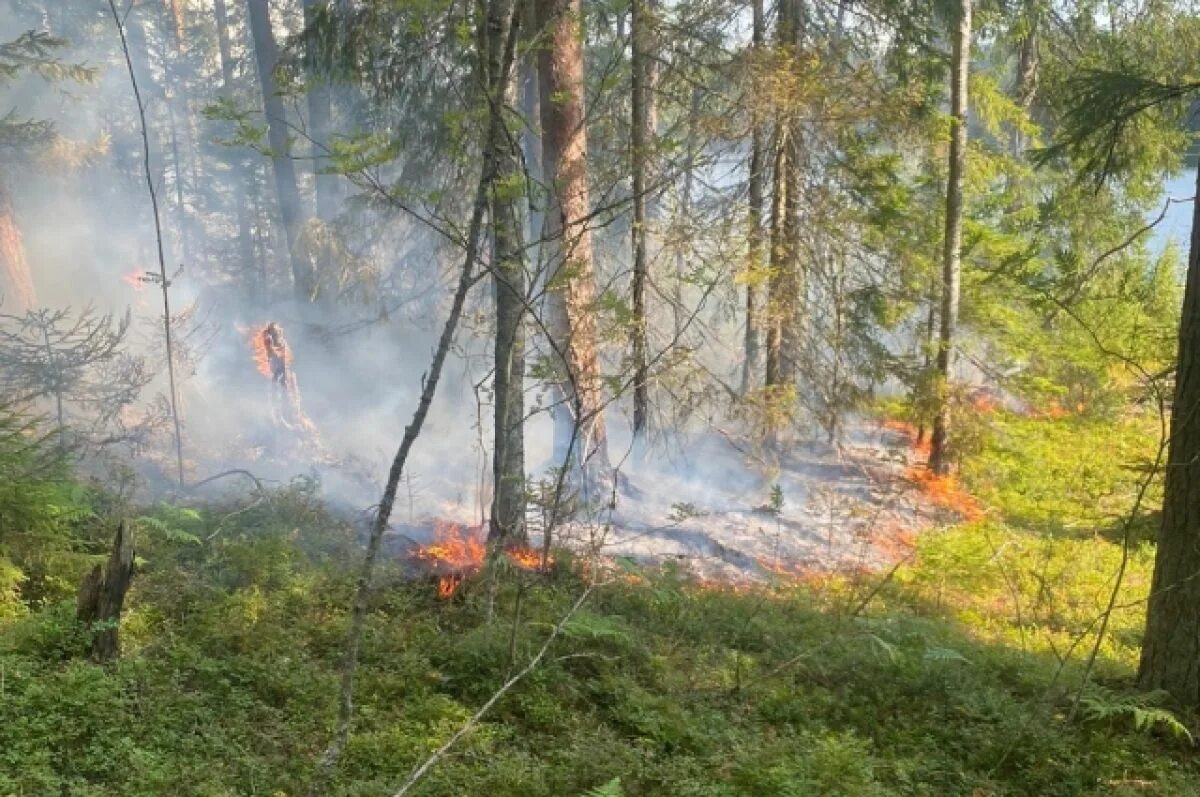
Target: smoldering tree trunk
{"type": "Point", "coordinates": [18, 281]}
{"type": "Point", "coordinates": [641, 140]}
{"type": "Point", "coordinates": [320, 121]}
{"type": "Point", "coordinates": [291, 210]}
{"type": "Point", "coordinates": [236, 165]}
{"type": "Point", "coordinates": [939, 460]}
{"type": "Point", "coordinates": [571, 284]}
{"type": "Point", "coordinates": [754, 238]}
{"type": "Point", "coordinates": [102, 597]}
{"type": "Point", "coordinates": [507, 523]}
{"type": "Point", "coordinates": [1171, 642]}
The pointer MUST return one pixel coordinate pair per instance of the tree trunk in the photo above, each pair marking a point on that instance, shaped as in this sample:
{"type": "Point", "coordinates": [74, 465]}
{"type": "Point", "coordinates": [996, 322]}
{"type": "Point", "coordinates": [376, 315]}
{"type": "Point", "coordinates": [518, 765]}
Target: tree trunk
{"type": "Point", "coordinates": [785, 286]}
{"type": "Point", "coordinates": [568, 242]}
{"type": "Point", "coordinates": [1026, 85]}
{"type": "Point", "coordinates": [939, 460]}
{"type": "Point", "coordinates": [102, 596]}
{"type": "Point", "coordinates": [241, 206]}
{"type": "Point", "coordinates": [507, 524]}
{"type": "Point", "coordinates": [754, 238]}
{"type": "Point", "coordinates": [641, 140]}
{"type": "Point", "coordinates": [320, 120]}
{"type": "Point", "coordinates": [1171, 644]}
{"type": "Point", "coordinates": [17, 286]}
{"type": "Point", "coordinates": [290, 208]}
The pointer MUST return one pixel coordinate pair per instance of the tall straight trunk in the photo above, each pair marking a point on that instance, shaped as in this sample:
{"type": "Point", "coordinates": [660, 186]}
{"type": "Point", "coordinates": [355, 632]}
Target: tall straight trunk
{"type": "Point", "coordinates": [507, 523]}
{"type": "Point", "coordinates": [1171, 643]}
{"type": "Point", "coordinates": [754, 238]}
{"type": "Point", "coordinates": [17, 285]}
{"type": "Point", "coordinates": [531, 143]}
{"type": "Point", "coordinates": [320, 115]}
{"type": "Point", "coordinates": [780, 370]}
{"type": "Point", "coordinates": [939, 460]}
{"type": "Point", "coordinates": [241, 207]}
{"type": "Point", "coordinates": [568, 242]}
{"type": "Point", "coordinates": [785, 285]}
{"type": "Point", "coordinates": [685, 210]}
{"type": "Point", "coordinates": [1026, 84]}
{"type": "Point", "coordinates": [291, 210]}
{"type": "Point", "coordinates": [641, 140]}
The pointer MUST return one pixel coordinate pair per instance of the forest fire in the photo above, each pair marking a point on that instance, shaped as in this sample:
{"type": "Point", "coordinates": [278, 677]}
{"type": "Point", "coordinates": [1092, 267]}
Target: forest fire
{"type": "Point", "coordinates": [457, 552]}
{"type": "Point", "coordinates": [259, 346]}
{"type": "Point", "coordinates": [944, 492]}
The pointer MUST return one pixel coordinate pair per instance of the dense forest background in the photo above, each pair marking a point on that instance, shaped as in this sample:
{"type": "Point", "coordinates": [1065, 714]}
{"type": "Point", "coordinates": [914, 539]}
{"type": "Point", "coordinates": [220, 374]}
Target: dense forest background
{"type": "Point", "coordinates": [609, 397]}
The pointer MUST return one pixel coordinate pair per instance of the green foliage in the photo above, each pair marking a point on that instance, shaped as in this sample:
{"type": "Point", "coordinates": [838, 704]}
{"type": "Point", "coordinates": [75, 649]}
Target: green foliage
{"type": "Point", "coordinates": [1144, 712]}
{"type": "Point", "coordinates": [610, 789]}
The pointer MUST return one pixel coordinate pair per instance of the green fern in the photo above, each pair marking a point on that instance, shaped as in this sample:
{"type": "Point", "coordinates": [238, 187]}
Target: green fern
{"type": "Point", "coordinates": [1143, 711]}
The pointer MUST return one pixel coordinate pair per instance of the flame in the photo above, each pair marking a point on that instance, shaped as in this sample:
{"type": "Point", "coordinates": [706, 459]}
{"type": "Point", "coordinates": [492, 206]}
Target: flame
{"type": "Point", "coordinates": [462, 552]}
{"type": "Point", "coordinates": [922, 448]}
{"type": "Point", "coordinates": [941, 491]}
{"type": "Point", "coordinates": [13, 264]}
{"type": "Point", "coordinates": [945, 492]}
{"type": "Point", "coordinates": [134, 279]}
{"type": "Point", "coordinates": [258, 348]}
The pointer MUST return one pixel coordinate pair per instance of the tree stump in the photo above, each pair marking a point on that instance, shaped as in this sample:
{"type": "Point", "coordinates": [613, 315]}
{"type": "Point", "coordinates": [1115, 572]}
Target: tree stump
{"type": "Point", "coordinates": [102, 596]}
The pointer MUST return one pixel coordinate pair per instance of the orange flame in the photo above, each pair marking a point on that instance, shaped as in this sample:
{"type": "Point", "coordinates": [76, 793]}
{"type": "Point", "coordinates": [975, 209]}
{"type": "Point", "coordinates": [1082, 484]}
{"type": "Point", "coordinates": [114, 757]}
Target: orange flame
{"type": "Point", "coordinates": [134, 279]}
{"type": "Point", "coordinates": [463, 551]}
{"type": "Point", "coordinates": [258, 348]}
{"type": "Point", "coordinates": [945, 492]}
{"type": "Point", "coordinates": [911, 432]}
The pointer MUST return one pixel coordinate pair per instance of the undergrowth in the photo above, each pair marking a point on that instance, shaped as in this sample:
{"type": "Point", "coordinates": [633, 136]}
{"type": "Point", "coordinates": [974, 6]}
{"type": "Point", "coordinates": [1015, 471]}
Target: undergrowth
{"type": "Point", "coordinates": [958, 678]}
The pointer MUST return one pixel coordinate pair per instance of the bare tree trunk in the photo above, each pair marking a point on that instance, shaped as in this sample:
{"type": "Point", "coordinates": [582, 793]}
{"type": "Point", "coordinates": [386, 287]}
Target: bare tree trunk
{"type": "Point", "coordinates": [785, 287]}
{"type": "Point", "coordinates": [320, 120]}
{"type": "Point", "coordinates": [102, 597]}
{"type": "Point", "coordinates": [1171, 643]}
{"type": "Point", "coordinates": [754, 237]}
{"type": "Point", "coordinates": [939, 460]}
{"type": "Point", "coordinates": [241, 206]}
{"type": "Point", "coordinates": [568, 242]}
{"type": "Point", "coordinates": [642, 138]}
{"type": "Point", "coordinates": [1026, 85]}
{"type": "Point", "coordinates": [18, 281]}
{"type": "Point", "coordinates": [507, 524]}
{"type": "Point", "coordinates": [291, 210]}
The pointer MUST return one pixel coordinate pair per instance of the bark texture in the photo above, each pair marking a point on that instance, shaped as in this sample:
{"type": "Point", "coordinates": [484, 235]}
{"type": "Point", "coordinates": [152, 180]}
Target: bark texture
{"type": "Point", "coordinates": [641, 143]}
{"type": "Point", "coordinates": [507, 523]}
{"type": "Point", "coordinates": [939, 459]}
{"type": "Point", "coordinates": [291, 210]}
{"type": "Point", "coordinates": [17, 288]}
{"type": "Point", "coordinates": [754, 221]}
{"type": "Point", "coordinates": [102, 597]}
{"type": "Point", "coordinates": [568, 242]}
{"type": "Point", "coordinates": [1171, 644]}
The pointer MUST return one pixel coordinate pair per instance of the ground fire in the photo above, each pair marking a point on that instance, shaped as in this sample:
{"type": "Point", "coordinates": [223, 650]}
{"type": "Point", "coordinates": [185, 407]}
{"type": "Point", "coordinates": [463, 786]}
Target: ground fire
{"type": "Point", "coordinates": [457, 552]}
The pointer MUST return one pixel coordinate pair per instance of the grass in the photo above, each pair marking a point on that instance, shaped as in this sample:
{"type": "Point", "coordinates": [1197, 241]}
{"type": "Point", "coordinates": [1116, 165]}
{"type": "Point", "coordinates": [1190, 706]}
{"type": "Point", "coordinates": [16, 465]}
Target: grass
{"type": "Point", "coordinates": [949, 683]}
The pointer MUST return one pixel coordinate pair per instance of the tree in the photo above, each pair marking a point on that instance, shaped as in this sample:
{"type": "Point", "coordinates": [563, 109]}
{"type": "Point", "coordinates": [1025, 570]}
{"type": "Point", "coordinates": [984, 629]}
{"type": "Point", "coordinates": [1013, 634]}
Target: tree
{"type": "Point", "coordinates": [754, 220]}
{"type": "Point", "coordinates": [506, 195]}
{"type": "Point", "coordinates": [32, 52]}
{"type": "Point", "coordinates": [571, 284]}
{"type": "Point", "coordinates": [785, 287]}
{"type": "Point", "coordinates": [641, 140]}
{"type": "Point", "coordinates": [239, 178]}
{"type": "Point", "coordinates": [291, 209]}
{"type": "Point", "coordinates": [960, 61]}
{"type": "Point", "coordinates": [78, 363]}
